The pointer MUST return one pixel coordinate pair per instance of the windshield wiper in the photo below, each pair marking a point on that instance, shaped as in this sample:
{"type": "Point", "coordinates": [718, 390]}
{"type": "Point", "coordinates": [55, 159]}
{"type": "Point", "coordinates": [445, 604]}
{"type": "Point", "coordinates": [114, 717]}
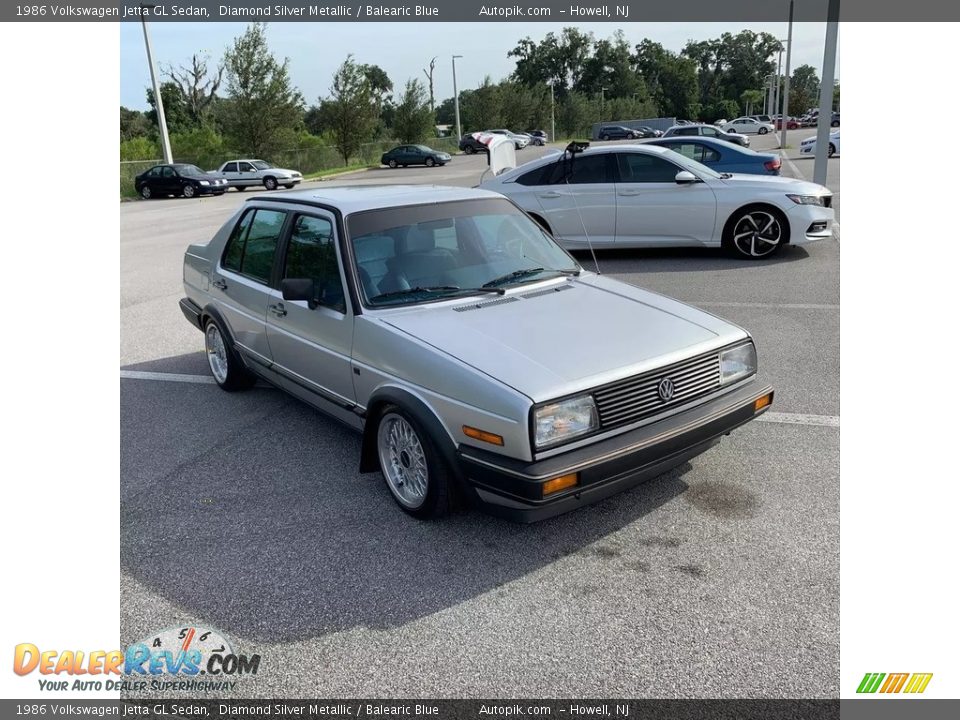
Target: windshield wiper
{"type": "Point", "coordinates": [526, 272]}
{"type": "Point", "coordinates": [435, 289]}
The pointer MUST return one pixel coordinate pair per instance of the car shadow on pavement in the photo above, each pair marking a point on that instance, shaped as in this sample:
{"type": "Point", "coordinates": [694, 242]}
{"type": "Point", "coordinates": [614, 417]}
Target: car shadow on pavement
{"type": "Point", "coordinates": [246, 510]}
{"type": "Point", "coordinates": [682, 260]}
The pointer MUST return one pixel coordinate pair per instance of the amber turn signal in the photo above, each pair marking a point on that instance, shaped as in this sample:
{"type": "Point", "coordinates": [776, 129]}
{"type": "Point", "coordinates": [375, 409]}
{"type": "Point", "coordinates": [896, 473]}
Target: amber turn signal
{"type": "Point", "coordinates": [761, 402]}
{"type": "Point", "coordinates": [482, 435]}
{"type": "Point", "coordinates": [560, 483]}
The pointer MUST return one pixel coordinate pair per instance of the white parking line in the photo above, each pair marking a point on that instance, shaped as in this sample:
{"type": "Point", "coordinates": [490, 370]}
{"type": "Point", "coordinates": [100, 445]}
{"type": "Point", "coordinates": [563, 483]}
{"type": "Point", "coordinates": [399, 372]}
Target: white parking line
{"type": "Point", "coordinates": [774, 417]}
{"type": "Point", "coordinates": [772, 306]}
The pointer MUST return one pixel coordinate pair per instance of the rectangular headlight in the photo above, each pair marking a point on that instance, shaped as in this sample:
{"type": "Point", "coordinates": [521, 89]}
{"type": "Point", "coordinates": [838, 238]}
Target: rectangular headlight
{"type": "Point", "coordinates": [561, 421]}
{"type": "Point", "coordinates": [807, 199]}
{"type": "Point", "coordinates": [738, 363]}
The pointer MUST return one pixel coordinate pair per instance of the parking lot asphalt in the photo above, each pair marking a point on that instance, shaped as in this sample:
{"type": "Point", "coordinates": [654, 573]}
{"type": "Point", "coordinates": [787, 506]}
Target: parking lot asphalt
{"type": "Point", "coordinates": [244, 512]}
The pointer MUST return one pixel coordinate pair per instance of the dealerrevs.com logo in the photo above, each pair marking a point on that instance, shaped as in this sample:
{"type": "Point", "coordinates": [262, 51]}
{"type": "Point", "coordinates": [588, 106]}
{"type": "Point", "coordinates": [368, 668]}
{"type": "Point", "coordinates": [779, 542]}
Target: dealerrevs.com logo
{"type": "Point", "coordinates": [910, 683]}
{"type": "Point", "coordinates": [186, 658]}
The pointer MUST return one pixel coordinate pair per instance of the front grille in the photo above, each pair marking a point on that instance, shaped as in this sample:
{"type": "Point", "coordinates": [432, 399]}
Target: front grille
{"type": "Point", "coordinates": [636, 398]}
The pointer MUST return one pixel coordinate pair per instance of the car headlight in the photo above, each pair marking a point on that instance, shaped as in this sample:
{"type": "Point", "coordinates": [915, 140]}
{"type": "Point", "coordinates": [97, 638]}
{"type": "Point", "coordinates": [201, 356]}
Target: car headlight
{"type": "Point", "coordinates": [737, 363]}
{"type": "Point", "coordinates": [204, 182]}
{"type": "Point", "coordinates": [807, 199]}
{"type": "Point", "coordinates": [564, 420]}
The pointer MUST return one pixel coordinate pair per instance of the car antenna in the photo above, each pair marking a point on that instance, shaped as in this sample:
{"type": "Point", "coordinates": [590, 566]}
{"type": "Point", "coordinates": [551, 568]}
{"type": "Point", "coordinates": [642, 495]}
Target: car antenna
{"type": "Point", "coordinates": [573, 149]}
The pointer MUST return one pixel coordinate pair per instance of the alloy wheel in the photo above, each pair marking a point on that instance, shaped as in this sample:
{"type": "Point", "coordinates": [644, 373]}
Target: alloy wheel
{"type": "Point", "coordinates": [216, 353]}
{"type": "Point", "coordinates": [757, 234]}
{"type": "Point", "coordinates": [403, 460]}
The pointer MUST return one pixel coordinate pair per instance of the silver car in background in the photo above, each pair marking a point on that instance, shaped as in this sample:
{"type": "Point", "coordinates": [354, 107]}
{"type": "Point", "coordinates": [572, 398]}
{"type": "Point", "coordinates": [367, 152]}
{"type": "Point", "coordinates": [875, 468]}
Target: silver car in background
{"type": "Point", "coordinates": [477, 359]}
{"type": "Point", "coordinates": [242, 174]}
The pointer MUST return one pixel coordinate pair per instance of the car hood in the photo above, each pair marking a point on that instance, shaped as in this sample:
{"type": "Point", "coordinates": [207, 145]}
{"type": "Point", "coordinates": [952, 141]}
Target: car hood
{"type": "Point", "coordinates": [281, 171]}
{"type": "Point", "coordinates": [773, 182]}
{"type": "Point", "coordinates": [557, 338]}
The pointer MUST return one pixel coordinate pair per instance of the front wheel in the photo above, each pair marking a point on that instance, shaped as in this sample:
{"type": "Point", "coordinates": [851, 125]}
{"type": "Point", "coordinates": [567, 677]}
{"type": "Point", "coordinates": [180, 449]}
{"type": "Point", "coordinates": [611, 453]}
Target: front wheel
{"type": "Point", "coordinates": [270, 183]}
{"type": "Point", "coordinates": [226, 367]}
{"type": "Point", "coordinates": [831, 150]}
{"type": "Point", "coordinates": [604, 137]}
{"type": "Point", "coordinates": [762, 131]}
{"type": "Point", "coordinates": [757, 232]}
{"type": "Point", "coordinates": [469, 150]}
{"type": "Point", "coordinates": [429, 162]}
{"type": "Point", "coordinates": [416, 474]}
{"type": "Point", "coordinates": [189, 191]}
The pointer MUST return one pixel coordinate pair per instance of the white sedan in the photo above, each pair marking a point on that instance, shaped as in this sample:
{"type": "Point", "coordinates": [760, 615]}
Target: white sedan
{"type": "Point", "coordinates": [748, 126]}
{"type": "Point", "coordinates": [635, 196]}
{"type": "Point", "coordinates": [809, 146]}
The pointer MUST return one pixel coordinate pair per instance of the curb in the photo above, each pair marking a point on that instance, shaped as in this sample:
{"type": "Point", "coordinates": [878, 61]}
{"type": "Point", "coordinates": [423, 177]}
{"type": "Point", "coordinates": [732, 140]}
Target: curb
{"type": "Point", "coordinates": [336, 175]}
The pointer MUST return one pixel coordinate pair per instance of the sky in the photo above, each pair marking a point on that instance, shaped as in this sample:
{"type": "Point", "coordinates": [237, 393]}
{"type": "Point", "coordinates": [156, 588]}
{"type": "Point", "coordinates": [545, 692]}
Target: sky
{"type": "Point", "coordinates": [403, 50]}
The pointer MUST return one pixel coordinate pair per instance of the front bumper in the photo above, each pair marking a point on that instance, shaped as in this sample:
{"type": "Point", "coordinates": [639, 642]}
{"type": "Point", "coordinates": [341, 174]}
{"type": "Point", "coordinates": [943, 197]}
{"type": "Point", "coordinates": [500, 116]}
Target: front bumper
{"type": "Point", "coordinates": [514, 488]}
{"type": "Point", "coordinates": [212, 189]}
{"type": "Point", "coordinates": [809, 223]}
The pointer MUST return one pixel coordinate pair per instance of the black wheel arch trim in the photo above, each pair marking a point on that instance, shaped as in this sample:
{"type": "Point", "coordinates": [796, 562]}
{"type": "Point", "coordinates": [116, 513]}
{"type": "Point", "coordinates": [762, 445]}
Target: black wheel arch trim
{"type": "Point", "coordinates": [419, 411]}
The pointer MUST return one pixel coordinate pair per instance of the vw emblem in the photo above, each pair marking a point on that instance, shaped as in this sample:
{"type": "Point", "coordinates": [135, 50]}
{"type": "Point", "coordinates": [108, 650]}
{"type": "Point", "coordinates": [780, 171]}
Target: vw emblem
{"type": "Point", "coordinates": [665, 389]}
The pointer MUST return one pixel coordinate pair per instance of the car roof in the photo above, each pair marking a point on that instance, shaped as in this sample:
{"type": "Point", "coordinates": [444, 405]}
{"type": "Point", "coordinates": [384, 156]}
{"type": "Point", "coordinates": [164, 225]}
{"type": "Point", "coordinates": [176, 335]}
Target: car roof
{"type": "Point", "coordinates": [357, 198]}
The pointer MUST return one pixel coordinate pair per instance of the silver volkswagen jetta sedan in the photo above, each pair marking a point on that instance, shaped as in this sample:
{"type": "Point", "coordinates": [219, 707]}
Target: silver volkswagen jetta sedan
{"type": "Point", "coordinates": [479, 361]}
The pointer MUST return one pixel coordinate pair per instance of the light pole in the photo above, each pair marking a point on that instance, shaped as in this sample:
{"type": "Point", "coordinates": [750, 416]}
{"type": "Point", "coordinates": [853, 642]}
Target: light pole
{"type": "Point", "coordinates": [776, 88]}
{"type": "Point", "coordinates": [456, 96]}
{"type": "Point", "coordinates": [826, 93]}
{"type": "Point", "coordinates": [786, 82]}
{"type": "Point", "coordinates": [553, 123]}
{"type": "Point", "coordinates": [157, 98]}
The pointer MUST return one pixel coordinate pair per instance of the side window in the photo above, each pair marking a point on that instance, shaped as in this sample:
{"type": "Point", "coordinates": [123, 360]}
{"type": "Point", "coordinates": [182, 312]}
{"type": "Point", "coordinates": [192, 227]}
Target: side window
{"type": "Point", "coordinates": [642, 168]}
{"type": "Point", "coordinates": [155, 172]}
{"type": "Point", "coordinates": [168, 172]}
{"type": "Point", "coordinates": [540, 176]}
{"type": "Point", "coordinates": [312, 253]}
{"type": "Point", "coordinates": [253, 244]}
{"type": "Point", "coordinates": [687, 149]}
{"type": "Point", "coordinates": [687, 131]}
{"type": "Point", "coordinates": [709, 132]}
{"type": "Point", "coordinates": [707, 155]}
{"type": "Point", "coordinates": [230, 167]}
{"type": "Point", "coordinates": [589, 169]}
{"type": "Point", "coordinates": [246, 167]}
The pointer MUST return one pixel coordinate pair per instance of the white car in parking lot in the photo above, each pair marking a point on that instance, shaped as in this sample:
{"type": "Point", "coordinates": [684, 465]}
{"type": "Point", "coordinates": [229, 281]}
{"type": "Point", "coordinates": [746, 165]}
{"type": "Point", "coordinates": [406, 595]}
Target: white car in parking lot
{"type": "Point", "coordinates": [634, 196]}
{"type": "Point", "coordinates": [809, 145]}
{"type": "Point", "coordinates": [748, 126]}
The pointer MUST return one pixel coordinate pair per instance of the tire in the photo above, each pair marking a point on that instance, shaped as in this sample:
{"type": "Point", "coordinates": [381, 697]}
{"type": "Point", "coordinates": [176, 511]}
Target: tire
{"type": "Point", "coordinates": [416, 474]}
{"type": "Point", "coordinates": [831, 150]}
{"type": "Point", "coordinates": [393, 164]}
{"type": "Point", "coordinates": [270, 183]}
{"type": "Point", "coordinates": [145, 192]}
{"type": "Point", "coordinates": [756, 232]}
{"type": "Point", "coordinates": [227, 369]}
{"type": "Point", "coordinates": [429, 162]}
{"type": "Point", "coordinates": [189, 191]}
{"type": "Point", "coordinates": [469, 149]}
{"type": "Point", "coordinates": [604, 137]}
{"type": "Point", "coordinates": [241, 188]}
{"type": "Point", "coordinates": [762, 131]}
{"type": "Point", "coordinates": [289, 187]}
{"type": "Point", "coordinates": [835, 123]}
{"type": "Point", "coordinates": [405, 165]}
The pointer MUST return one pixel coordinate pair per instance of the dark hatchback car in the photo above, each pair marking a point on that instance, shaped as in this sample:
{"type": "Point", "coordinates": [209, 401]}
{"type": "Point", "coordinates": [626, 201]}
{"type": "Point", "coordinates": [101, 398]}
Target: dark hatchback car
{"type": "Point", "coordinates": [404, 155]}
{"type": "Point", "coordinates": [179, 179]}
{"type": "Point", "coordinates": [618, 132]}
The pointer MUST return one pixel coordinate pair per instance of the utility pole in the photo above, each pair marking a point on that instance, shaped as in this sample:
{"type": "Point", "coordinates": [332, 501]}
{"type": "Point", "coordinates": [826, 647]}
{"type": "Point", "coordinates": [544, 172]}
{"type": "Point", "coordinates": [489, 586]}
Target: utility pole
{"type": "Point", "coordinates": [553, 123]}
{"type": "Point", "coordinates": [456, 96]}
{"type": "Point", "coordinates": [776, 88]}
{"type": "Point", "coordinates": [786, 82]}
{"type": "Point", "coordinates": [826, 93]}
{"type": "Point", "coordinates": [157, 98]}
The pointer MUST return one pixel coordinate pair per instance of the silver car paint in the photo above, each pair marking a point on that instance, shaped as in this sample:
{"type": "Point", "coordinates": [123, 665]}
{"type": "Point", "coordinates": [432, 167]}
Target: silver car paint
{"type": "Point", "coordinates": [256, 177]}
{"type": "Point", "coordinates": [485, 367]}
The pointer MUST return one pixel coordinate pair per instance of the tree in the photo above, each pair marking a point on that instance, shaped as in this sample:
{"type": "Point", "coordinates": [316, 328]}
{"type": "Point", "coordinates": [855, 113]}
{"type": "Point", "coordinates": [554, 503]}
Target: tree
{"type": "Point", "coordinates": [749, 98]}
{"type": "Point", "coordinates": [174, 108]}
{"type": "Point", "coordinates": [612, 68]}
{"type": "Point", "coordinates": [429, 75]}
{"type": "Point", "coordinates": [352, 111]}
{"type": "Point", "coordinates": [804, 90]}
{"type": "Point", "coordinates": [731, 64]}
{"type": "Point", "coordinates": [263, 108]}
{"type": "Point", "coordinates": [413, 118]}
{"type": "Point", "coordinates": [133, 123]}
{"type": "Point", "coordinates": [557, 59]}
{"type": "Point", "coordinates": [671, 78]}
{"type": "Point", "coordinates": [482, 109]}
{"type": "Point", "coordinates": [198, 87]}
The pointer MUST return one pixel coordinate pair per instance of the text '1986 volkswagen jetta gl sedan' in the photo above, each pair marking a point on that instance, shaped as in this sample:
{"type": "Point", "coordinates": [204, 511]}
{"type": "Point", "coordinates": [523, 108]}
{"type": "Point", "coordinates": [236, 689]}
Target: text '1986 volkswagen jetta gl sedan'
{"type": "Point", "coordinates": [479, 361]}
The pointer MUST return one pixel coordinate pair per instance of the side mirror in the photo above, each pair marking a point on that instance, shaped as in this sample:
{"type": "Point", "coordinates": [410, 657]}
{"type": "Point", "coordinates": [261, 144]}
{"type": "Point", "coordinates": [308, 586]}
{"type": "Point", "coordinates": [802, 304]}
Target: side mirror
{"type": "Point", "coordinates": [304, 289]}
{"type": "Point", "coordinates": [685, 177]}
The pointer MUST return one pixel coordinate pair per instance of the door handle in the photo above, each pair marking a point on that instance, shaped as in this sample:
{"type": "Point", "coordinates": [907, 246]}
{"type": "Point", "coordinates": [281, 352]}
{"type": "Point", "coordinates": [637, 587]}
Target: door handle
{"type": "Point", "coordinates": [278, 310]}
{"type": "Point", "coordinates": [219, 283]}
{"type": "Point", "coordinates": [550, 194]}
{"type": "Point", "coordinates": [629, 193]}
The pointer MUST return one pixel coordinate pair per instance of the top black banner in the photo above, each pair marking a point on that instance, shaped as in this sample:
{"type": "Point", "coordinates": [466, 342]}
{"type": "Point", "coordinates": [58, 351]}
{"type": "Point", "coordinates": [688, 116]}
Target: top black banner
{"type": "Point", "coordinates": [554, 11]}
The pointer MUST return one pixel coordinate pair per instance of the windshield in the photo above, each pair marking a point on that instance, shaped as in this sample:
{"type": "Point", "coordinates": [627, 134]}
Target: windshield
{"type": "Point", "coordinates": [261, 165]}
{"type": "Point", "coordinates": [425, 253]}
{"type": "Point", "coordinates": [693, 166]}
{"type": "Point", "coordinates": [188, 170]}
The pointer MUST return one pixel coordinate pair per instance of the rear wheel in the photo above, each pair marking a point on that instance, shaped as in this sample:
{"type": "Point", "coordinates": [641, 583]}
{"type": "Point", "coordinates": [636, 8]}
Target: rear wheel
{"type": "Point", "coordinates": [416, 474]}
{"type": "Point", "coordinates": [757, 232]}
{"type": "Point", "coordinates": [392, 163]}
{"type": "Point", "coordinates": [604, 137]}
{"type": "Point", "coordinates": [240, 188]}
{"type": "Point", "coordinates": [145, 192]}
{"type": "Point", "coordinates": [226, 367]}
{"type": "Point", "coordinates": [469, 149]}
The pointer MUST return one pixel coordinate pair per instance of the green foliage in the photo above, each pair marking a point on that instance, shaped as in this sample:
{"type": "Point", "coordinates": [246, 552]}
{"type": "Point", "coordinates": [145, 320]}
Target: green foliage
{"type": "Point", "coordinates": [804, 89]}
{"type": "Point", "coordinates": [202, 146]}
{"type": "Point", "coordinates": [174, 109]}
{"type": "Point", "coordinates": [351, 113]}
{"type": "Point", "coordinates": [482, 109]}
{"type": "Point", "coordinates": [413, 119]}
{"type": "Point", "coordinates": [139, 148]}
{"type": "Point", "coordinates": [720, 110]}
{"type": "Point", "coordinates": [262, 105]}
{"type": "Point", "coordinates": [672, 80]}
{"type": "Point", "coordinates": [751, 100]}
{"type": "Point", "coordinates": [134, 123]}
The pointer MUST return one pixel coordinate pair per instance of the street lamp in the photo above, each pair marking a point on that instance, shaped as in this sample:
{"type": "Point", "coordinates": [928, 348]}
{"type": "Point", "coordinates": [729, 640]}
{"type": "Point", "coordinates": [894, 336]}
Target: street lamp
{"type": "Point", "coordinates": [776, 88]}
{"type": "Point", "coordinates": [456, 96]}
{"type": "Point", "coordinates": [157, 98]}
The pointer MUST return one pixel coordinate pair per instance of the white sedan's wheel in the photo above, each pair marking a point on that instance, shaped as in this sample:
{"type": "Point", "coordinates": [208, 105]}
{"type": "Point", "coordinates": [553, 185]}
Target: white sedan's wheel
{"type": "Point", "coordinates": [757, 233]}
